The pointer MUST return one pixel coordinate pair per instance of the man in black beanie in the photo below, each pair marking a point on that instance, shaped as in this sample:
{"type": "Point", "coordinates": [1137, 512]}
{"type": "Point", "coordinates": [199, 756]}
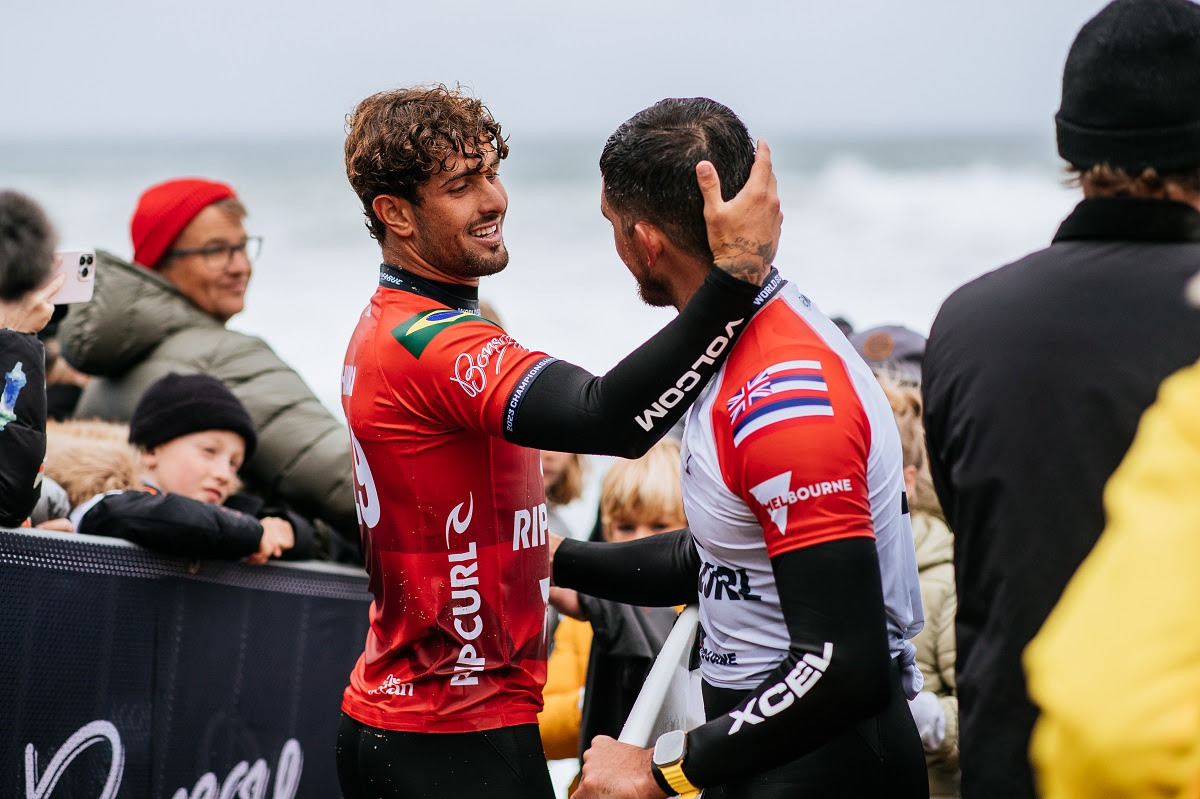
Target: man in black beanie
{"type": "Point", "coordinates": [1036, 374]}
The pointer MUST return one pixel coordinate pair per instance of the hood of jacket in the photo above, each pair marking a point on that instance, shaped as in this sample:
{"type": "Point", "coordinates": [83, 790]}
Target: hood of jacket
{"type": "Point", "coordinates": [131, 312]}
{"type": "Point", "coordinates": [933, 541]}
{"type": "Point", "coordinates": [91, 457]}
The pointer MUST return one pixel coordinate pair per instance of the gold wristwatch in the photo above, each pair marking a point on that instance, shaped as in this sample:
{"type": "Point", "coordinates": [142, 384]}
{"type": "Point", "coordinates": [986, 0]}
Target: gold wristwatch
{"type": "Point", "coordinates": [667, 764]}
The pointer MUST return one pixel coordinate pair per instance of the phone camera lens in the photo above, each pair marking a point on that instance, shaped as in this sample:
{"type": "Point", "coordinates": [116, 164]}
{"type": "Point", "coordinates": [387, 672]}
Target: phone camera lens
{"type": "Point", "coordinates": [89, 259]}
{"type": "Point", "coordinates": [82, 260]}
{"type": "Point", "coordinates": [85, 271]}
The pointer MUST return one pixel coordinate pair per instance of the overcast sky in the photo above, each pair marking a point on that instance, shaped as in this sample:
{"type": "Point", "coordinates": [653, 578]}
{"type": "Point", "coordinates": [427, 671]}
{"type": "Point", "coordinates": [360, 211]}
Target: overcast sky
{"type": "Point", "coordinates": [229, 68]}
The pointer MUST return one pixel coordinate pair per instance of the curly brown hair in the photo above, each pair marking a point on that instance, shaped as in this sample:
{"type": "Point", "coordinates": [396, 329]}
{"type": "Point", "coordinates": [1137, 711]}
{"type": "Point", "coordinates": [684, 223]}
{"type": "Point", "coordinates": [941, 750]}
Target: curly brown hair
{"type": "Point", "coordinates": [1103, 180]}
{"type": "Point", "coordinates": [396, 140]}
{"type": "Point", "coordinates": [569, 485]}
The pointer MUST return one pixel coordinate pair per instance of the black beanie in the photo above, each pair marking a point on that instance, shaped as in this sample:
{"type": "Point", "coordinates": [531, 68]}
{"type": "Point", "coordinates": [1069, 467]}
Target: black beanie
{"type": "Point", "coordinates": [1131, 88]}
{"type": "Point", "coordinates": [177, 405]}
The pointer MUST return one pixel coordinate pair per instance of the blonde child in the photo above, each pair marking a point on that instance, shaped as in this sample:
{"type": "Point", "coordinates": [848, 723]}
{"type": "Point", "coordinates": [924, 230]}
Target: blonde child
{"type": "Point", "coordinates": [935, 708]}
{"type": "Point", "coordinates": [604, 649]}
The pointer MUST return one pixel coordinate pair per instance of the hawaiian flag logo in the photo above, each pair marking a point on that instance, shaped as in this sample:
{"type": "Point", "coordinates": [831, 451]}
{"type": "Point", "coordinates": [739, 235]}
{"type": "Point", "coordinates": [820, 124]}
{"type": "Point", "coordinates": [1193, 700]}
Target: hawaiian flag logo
{"type": "Point", "coordinates": [787, 390]}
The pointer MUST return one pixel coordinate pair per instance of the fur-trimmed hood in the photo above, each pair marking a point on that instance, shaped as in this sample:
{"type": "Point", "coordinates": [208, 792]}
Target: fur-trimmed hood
{"type": "Point", "coordinates": [90, 457]}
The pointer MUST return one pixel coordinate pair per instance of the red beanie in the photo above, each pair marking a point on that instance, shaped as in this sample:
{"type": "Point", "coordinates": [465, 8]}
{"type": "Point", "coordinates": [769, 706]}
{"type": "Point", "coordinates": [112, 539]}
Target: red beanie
{"type": "Point", "coordinates": [164, 210]}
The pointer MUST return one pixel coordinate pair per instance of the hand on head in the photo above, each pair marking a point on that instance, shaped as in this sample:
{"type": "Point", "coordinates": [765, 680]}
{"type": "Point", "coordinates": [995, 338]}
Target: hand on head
{"type": "Point", "coordinates": [744, 232]}
{"type": "Point", "coordinates": [32, 312]}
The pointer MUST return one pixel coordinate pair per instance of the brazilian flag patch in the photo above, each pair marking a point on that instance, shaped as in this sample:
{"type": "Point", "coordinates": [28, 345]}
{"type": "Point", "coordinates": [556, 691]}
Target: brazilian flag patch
{"type": "Point", "coordinates": [415, 333]}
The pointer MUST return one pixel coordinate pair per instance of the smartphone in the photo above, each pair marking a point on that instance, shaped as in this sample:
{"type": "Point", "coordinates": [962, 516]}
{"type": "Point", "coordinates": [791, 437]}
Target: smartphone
{"type": "Point", "coordinates": [78, 268]}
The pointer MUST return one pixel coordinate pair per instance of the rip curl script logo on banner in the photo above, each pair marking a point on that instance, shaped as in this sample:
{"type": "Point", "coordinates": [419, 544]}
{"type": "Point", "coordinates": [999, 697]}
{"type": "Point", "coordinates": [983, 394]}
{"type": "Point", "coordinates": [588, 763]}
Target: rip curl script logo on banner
{"type": "Point", "coordinates": [244, 780]}
{"type": "Point", "coordinates": [98, 732]}
{"type": "Point", "coordinates": [128, 674]}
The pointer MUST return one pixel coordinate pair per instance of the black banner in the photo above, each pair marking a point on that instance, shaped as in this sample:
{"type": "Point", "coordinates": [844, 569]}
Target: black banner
{"type": "Point", "coordinates": [128, 674]}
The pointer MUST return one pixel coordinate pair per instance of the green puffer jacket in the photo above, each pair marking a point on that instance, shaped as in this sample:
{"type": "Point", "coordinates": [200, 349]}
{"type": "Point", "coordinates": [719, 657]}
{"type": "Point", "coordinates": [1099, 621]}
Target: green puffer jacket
{"type": "Point", "coordinates": [139, 327]}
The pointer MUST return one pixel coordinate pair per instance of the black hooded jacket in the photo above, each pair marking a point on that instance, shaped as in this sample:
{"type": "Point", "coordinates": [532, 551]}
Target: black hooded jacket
{"type": "Point", "coordinates": [22, 424]}
{"type": "Point", "coordinates": [1035, 378]}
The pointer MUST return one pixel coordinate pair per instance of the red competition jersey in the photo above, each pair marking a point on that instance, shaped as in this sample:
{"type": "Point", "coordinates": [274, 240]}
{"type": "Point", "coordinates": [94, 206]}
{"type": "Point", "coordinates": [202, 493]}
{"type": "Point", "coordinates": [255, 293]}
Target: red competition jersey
{"type": "Point", "coordinates": [453, 521]}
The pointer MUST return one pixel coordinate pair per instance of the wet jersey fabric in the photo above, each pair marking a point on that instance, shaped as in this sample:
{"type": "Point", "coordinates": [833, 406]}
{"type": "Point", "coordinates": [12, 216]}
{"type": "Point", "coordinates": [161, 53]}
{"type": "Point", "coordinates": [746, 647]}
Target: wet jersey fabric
{"type": "Point", "coordinates": [453, 517]}
{"type": "Point", "coordinates": [792, 444]}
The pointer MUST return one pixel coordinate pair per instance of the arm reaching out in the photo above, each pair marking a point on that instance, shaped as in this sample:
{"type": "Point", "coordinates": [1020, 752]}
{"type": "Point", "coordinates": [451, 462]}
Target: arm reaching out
{"type": "Point", "coordinates": [658, 571]}
{"type": "Point", "coordinates": [834, 675]}
{"type": "Point", "coordinates": [174, 524]}
{"type": "Point", "coordinates": [631, 407]}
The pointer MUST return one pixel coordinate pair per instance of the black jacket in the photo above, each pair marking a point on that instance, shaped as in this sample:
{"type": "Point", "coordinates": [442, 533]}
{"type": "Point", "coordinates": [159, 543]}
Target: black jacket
{"type": "Point", "coordinates": [625, 641]}
{"type": "Point", "coordinates": [22, 424]}
{"type": "Point", "coordinates": [178, 525]}
{"type": "Point", "coordinates": [1035, 377]}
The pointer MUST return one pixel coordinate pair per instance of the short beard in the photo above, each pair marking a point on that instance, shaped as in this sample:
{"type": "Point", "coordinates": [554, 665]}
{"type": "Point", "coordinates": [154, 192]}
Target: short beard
{"type": "Point", "coordinates": [476, 266]}
{"type": "Point", "coordinates": [468, 265]}
{"type": "Point", "coordinates": [655, 292]}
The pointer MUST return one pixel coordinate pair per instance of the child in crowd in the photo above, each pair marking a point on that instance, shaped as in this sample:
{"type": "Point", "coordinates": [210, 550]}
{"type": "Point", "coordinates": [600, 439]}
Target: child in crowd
{"type": "Point", "coordinates": [935, 708]}
{"type": "Point", "coordinates": [192, 436]}
{"type": "Point", "coordinates": [603, 650]}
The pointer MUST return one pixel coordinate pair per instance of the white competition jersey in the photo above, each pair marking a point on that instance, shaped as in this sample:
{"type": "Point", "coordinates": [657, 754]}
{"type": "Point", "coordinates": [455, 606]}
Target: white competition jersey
{"type": "Point", "coordinates": [791, 444]}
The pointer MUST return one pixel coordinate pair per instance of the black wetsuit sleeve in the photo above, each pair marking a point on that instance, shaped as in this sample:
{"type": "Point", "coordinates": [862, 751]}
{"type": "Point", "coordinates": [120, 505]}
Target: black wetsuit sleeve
{"type": "Point", "coordinates": [566, 408]}
{"type": "Point", "coordinates": [836, 672]}
{"type": "Point", "coordinates": [659, 571]}
{"type": "Point", "coordinates": [23, 428]}
{"type": "Point", "coordinates": [174, 525]}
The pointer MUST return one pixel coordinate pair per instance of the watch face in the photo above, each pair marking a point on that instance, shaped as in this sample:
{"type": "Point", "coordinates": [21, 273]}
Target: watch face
{"type": "Point", "coordinates": [670, 747]}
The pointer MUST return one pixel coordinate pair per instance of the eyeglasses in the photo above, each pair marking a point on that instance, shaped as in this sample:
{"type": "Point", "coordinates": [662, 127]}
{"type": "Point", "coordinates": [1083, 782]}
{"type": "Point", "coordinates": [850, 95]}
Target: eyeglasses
{"type": "Point", "coordinates": [220, 256]}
